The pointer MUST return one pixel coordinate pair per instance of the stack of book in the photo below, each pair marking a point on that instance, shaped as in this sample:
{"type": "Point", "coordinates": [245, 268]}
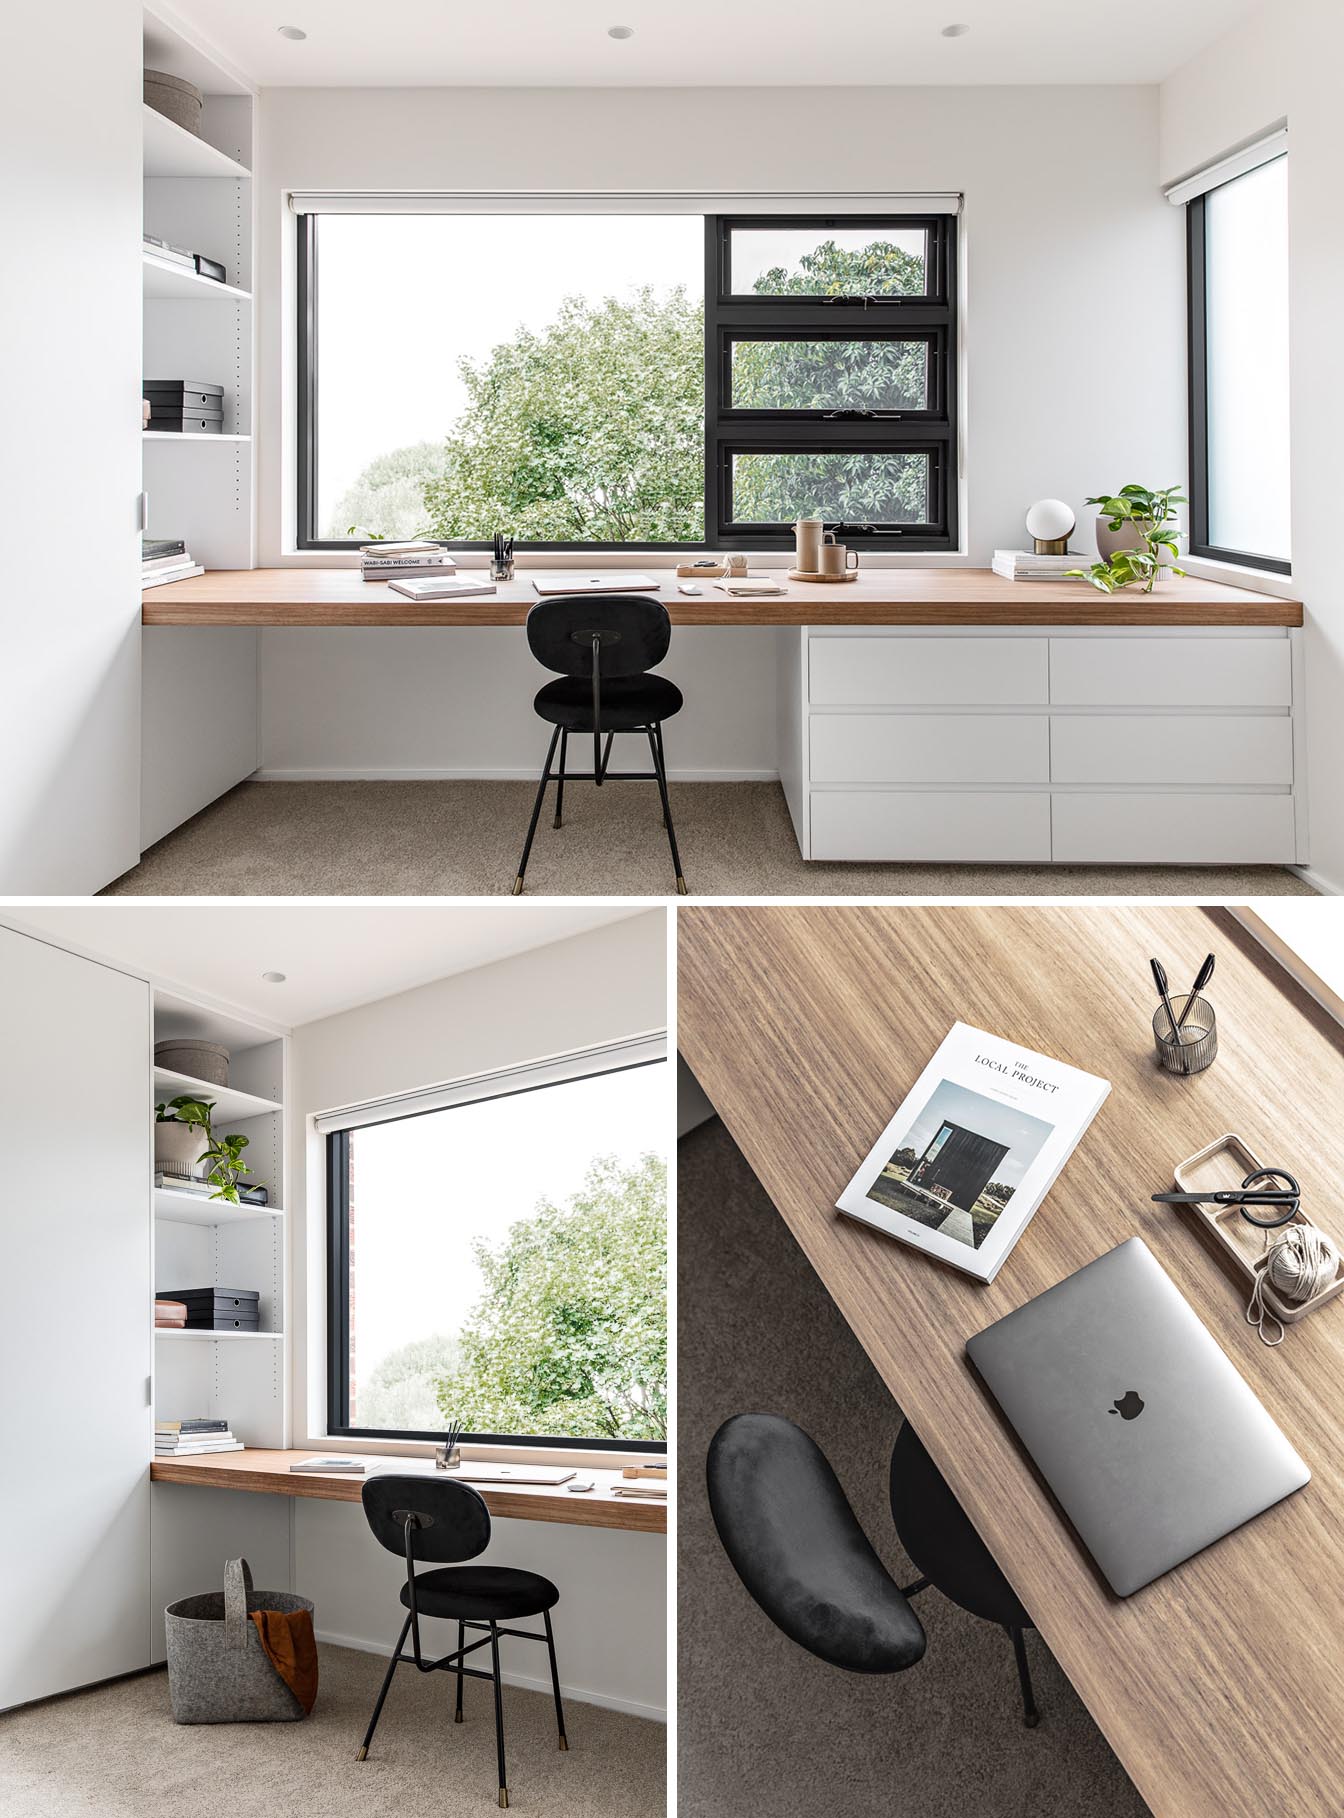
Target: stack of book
{"type": "Point", "coordinates": [190, 1438]}
{"type": "Point", "coordinates": [404, 561]}
{"type": "Point", "coordinates": [248, 1195]}
{"type": "Point", "coordinates": [164, 559]}
{"type": "Point", "coordinates": [1026, 565]}
{"type": "Point", "coordinates": [170, 1315]}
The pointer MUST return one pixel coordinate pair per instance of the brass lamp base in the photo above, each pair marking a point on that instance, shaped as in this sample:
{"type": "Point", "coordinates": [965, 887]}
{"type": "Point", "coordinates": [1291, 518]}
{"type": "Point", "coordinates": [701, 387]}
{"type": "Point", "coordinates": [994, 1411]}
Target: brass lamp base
{"type": "Point", "coordinates": [1051, 545]}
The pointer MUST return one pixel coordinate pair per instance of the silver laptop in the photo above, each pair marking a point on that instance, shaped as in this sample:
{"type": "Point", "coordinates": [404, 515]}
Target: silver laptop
{"type": "Point", "coordinates": [1150, 1440]}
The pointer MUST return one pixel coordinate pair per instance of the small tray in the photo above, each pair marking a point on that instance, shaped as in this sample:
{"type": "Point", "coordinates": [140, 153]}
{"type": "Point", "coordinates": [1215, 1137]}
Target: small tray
{"type": "Point", "coordinates": [807, 574]}
{"type": "Point", "coordinates": [1225, 1163]}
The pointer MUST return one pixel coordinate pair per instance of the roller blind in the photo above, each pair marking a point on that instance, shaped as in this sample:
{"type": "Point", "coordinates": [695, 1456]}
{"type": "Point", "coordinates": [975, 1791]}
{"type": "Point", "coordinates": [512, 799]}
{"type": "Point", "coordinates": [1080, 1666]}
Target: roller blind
{"type": "Point", "coordinates": [614, 202]}
{"type": "Point", "coordinates": [1236, 164]}
{"type": "Point", "coordinates": [554, 1070]}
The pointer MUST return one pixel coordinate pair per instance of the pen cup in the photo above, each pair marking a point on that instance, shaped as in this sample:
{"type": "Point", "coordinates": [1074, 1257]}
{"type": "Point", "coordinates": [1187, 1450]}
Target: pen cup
{"type": "Point", "coordinates": [502, 570]}
{"type": "Point", "coordinates": [1191, 1047]}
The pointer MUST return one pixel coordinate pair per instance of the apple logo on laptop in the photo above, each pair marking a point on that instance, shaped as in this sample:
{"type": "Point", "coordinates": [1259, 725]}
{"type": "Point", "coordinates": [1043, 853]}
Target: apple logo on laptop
{"type": "Point", "coordinates": [1129, 1406]}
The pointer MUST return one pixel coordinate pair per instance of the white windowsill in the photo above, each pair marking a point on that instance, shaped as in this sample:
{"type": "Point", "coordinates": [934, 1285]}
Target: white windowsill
{"type": "Point", "coordinates": [1237, 574]}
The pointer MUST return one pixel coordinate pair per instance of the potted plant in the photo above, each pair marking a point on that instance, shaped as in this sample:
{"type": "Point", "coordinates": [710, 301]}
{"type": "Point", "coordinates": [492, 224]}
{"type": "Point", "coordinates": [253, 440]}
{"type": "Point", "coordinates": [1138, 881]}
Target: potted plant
{"type": "Point", "coordinates": [1137, 535]}
{"type": "Point", "coordinates": [184, 1138]}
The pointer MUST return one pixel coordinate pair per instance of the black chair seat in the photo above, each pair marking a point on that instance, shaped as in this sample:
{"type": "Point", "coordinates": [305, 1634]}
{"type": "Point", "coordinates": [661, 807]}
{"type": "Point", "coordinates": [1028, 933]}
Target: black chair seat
{"type": "Point", "coordinates": [797, 1546]}
{"type": "Point", "coordinates": [937, 1534]}
{"type": "Point", "coordinates": [481, 1593]}
{"type": "Point", "coordinates": [628, 702]}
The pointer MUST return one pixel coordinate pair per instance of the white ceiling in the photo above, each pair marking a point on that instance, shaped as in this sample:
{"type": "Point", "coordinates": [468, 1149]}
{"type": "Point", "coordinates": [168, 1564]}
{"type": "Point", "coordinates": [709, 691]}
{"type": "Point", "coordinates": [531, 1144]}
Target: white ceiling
{"type": "Point", "coordinates": [334, 955]}
{"type": "Point", "coordinates": [707, 43]}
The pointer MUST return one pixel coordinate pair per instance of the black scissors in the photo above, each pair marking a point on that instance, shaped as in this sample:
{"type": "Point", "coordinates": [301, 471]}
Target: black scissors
{"type": "Point", "coordinates": [1285, 1200]}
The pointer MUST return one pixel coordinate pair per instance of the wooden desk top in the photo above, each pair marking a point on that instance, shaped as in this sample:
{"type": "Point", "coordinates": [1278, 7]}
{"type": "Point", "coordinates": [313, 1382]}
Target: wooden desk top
{"type": "Point", "coordinates": [1220, 1686]}
{"type": "Point", "coordinates": [269, 1472]}
{"type": "Point", "coordinates": [298, 597]}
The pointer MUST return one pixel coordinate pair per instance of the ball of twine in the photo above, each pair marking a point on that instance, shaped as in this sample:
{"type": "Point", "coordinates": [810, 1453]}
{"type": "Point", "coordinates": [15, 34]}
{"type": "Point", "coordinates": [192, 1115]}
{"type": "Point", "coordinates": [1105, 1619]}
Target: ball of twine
{"type": "Point", "coordinates": [1302, 1261]}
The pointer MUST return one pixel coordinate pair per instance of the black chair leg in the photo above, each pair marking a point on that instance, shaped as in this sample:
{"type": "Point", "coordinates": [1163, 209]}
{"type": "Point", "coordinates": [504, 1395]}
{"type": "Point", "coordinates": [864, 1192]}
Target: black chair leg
{"type": "Point", "coordinates": [499, 1714]}
{"type": "Point", "coordinates": [662, 761]}
{"type": "Point", "coordinates": [560, 786]}
{"type": "Point", "coordinates": [1030, 1715]}
{"type": "Point", "coordinates": [461, 1643]}
{"type": "Point", "coordinates": [536, 814]}
{"type": "Point", "coordinates": [555, 1681]}
{"type": "Point", "coordinates": [382, 1695]}
{"type": "Point", "coordinates": [656, 750]}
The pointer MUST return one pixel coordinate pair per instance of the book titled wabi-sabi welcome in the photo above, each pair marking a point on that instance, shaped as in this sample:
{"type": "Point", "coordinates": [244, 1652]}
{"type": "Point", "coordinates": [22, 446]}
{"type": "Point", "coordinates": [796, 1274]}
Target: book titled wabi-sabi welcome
{"type": "Point", "coordinates": [974, 1148]}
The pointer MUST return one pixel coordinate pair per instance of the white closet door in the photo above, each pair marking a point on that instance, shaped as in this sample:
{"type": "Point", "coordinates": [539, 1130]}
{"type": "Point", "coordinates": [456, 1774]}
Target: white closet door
{"type": "Point", "coordinates": [76, 1338]}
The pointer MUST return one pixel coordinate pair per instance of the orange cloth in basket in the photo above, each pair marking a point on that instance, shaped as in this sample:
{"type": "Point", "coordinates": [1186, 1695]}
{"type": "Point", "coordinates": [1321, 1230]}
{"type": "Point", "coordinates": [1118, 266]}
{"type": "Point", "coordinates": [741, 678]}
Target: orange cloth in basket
{"type": "Point", "coordinates": [291, 1648]}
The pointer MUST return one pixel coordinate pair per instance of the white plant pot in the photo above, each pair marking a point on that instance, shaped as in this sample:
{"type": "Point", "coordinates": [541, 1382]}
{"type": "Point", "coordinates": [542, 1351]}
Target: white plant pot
{"type": "Point", "coordinates": [1129, 536]}
{"type": "Point", "coordinates": [179, 1149]}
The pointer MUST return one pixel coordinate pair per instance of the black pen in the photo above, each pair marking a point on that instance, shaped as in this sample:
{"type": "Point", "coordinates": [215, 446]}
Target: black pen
{"type": "Point", "coordinates": [1204, 975]}
{"type": "Point", "coordinates": [1160, 980]}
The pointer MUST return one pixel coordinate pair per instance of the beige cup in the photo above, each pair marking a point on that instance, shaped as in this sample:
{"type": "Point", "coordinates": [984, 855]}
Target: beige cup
{"type": "Point", "coordinates": [836, 559]}
{"type": "Point", "coordinates": [807, 536]}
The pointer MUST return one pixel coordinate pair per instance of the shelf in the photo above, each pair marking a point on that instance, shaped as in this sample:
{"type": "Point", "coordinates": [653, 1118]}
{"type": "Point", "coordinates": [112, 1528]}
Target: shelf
{"type": "Point", "coordinates": [171, 151]}
{"type": "Point", "coordinates": [186, 435]}
{"type": "Point", "coordinates": [197, 1209]}
{"type": "Point", "coordinates": [227, 1100]}
{"type": "Point", "coordinates": [217, 1338]}
{"type": "Point", "coordinates": [167, 282]}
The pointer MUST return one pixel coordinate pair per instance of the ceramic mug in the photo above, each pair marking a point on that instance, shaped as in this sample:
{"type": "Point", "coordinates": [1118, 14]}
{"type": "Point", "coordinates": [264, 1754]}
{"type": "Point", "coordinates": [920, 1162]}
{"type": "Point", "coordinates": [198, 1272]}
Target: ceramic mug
{"type": "Point", "coordinates": [836, 559]}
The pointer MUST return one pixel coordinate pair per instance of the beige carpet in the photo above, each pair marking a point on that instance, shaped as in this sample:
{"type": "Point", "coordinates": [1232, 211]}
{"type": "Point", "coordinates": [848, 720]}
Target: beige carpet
{"type": "Point", "coordinates": [115, 1752]}
{"type": "Point", "coordinates": [765, 1730]}
{"type": "Point", "coordinates": [464, 839]}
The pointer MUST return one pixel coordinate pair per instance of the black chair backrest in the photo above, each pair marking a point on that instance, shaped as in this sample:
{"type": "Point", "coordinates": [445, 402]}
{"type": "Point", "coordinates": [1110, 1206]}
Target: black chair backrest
{"type": "Point", "coordinates": [634, 632]}
{"type": "Point", "coordinates": [797, 1546]}
{"type": "Point", "coordinates": [454, 1522]}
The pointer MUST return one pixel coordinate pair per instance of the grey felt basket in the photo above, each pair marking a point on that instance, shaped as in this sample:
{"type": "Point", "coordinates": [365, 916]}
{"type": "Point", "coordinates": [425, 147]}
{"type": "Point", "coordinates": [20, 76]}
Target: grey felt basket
{"type": "Point", "coordinates": [218, 1671]}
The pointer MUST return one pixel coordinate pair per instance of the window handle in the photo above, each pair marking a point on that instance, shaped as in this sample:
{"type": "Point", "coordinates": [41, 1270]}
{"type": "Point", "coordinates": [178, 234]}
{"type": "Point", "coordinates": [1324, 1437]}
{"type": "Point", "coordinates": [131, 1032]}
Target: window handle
{"type": "Point", "coordinates": [863, 416]}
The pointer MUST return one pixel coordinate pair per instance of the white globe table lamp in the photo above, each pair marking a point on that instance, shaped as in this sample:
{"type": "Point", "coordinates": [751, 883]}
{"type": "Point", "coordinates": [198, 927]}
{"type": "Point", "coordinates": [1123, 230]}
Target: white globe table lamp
{"type": "Point", "coordinates": [1050, 524]}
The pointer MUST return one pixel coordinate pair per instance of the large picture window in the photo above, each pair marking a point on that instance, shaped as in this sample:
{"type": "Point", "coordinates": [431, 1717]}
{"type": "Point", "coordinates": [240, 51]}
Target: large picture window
{"type": "Point", "coordinates": [497, 1255]}
{"type": "Point", "coordinates": [642, 381]}
{"type": "Point", "coordinates": [1239, 412]}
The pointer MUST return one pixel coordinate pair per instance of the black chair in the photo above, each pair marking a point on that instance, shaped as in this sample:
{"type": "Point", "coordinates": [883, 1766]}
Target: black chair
{"type": "Point", "coordinates": [793, 1540]}
{"type": "Point", "coordinates": [602, 647]}
{"type": "Point", "coordinates": [433, 1520]}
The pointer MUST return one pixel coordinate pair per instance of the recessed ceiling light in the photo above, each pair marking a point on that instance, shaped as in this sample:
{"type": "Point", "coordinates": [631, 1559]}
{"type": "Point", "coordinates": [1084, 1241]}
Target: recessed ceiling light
{"type": "Point", "coordinates": [955, 31]}
{"type": "Point", "coordinates": [620, 31]}
{"type": "Point", "coordinates": [273, 978]}
{"type": "Point", "coordinates": [291, 31]}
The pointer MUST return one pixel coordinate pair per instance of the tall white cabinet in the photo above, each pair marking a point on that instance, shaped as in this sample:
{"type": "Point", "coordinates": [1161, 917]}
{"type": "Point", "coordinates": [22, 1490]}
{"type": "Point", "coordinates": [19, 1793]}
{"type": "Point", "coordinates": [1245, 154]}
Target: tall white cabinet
{"type": "Point", "coordinates": [76, 1346]}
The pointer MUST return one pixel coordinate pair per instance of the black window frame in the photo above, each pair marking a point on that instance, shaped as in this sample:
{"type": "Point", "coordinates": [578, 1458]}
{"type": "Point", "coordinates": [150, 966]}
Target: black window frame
{"type": "Point", "coordinates": [1196, 247]}
{"type": "Point", "coordinates": [931, 431]}
{"type": "Point", "coordinates": [336, 1153]}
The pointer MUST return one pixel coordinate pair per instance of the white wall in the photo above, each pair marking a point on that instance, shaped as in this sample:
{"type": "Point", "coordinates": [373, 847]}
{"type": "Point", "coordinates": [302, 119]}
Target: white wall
{"type": "Point", "coordinates": [1283, 61]}
{"type": "Point", "coordinates": [596, 987]}
{"type": "Point", "coordinates": [1073, 343]}
{"type": "Point", "coordinates": [70, 447]}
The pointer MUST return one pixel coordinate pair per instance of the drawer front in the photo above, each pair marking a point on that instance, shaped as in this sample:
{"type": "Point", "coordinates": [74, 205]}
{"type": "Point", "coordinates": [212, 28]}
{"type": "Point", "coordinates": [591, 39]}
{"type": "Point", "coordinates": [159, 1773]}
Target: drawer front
{"type": "Point", "coordinates": [1170, 748]}
{"type": "Point", "coordinates": [928, 672]}
{"type": "Point", "coordinates": [1174, 829]}
{"type": "Point", "coordinates": [1170, 672]}
{"type": "Point", "coordinates": [910, 824]}
{"type": "Point", "coordinates": [930, 748]}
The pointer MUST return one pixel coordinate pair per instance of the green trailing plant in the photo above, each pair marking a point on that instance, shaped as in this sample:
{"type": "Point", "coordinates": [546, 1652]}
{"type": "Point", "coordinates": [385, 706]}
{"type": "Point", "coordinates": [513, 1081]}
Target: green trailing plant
{"type": "Point", "coordinates": [1153, 515]}
{"type": "Point", "coordinates": [223, 1155]}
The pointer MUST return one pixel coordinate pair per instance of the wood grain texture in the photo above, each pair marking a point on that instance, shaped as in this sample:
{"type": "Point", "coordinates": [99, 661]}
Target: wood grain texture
{"type": "Point", "coordinates": [1221, 1686]}
{"type": "Point", "coordinates": [268, 1472]}
{"type": "Point", "coordinates": [910, 596]}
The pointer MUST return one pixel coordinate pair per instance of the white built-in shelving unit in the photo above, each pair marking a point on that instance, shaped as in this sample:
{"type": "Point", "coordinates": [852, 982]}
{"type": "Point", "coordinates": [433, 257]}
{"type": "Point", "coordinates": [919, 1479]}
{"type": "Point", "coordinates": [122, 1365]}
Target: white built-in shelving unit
{"type": "Point", "coordinates": [200, 1242]}
{"type": "Point", "coordinates": [198, 194]}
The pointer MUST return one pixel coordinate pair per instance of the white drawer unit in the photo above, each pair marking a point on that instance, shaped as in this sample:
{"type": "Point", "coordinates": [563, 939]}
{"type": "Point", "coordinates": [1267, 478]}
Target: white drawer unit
{"type": "Point", "coordinates": [949, 824]}
{"type": "Point", "coordinates": [1177, 748]}
{"type": "Point", "coordinates": [1216, 670]}
{"type": "Point", "coordinates": [930, 748]}
{"type": "Point", "coordinates": [928, 672]}
{"type": "Point", "coordinates": [1111, 745]}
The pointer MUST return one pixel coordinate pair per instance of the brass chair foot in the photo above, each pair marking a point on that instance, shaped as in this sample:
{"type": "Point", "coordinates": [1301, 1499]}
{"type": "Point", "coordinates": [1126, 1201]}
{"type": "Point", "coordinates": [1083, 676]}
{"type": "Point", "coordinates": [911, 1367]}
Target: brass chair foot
{"type": "Point", "coordinates": [363, 1754]}
{"type": "Point", "coordinates": [564, 1745]}
{"type": "Point", "coordinates": [504, 1795]}
{"type": "Point", "coordinates": [556, 821]}
{"type": "Point", "coordinates": [458, 1717]}
{"type": "Point", "coordinates": [518, 886]}
{"type": "Point", "coordinates": [681, 886]}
